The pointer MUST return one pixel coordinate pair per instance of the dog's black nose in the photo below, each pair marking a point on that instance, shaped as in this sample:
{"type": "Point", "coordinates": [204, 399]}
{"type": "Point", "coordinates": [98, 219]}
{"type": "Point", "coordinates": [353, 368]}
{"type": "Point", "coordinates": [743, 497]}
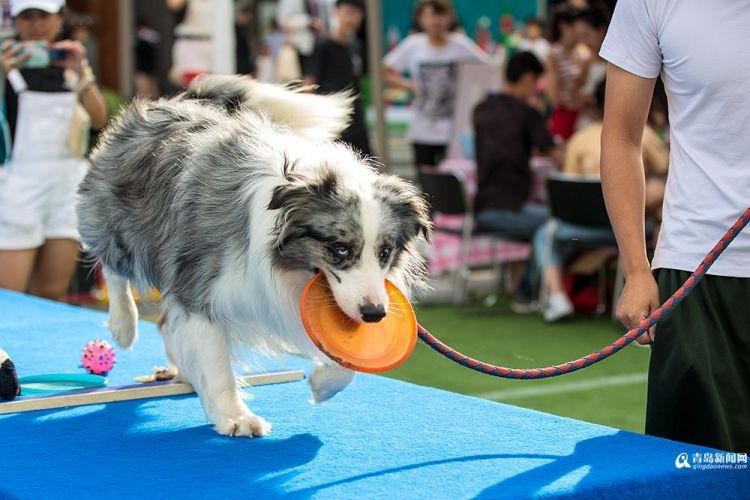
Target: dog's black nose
{"type": "Point", "coordinates": [372, 313]}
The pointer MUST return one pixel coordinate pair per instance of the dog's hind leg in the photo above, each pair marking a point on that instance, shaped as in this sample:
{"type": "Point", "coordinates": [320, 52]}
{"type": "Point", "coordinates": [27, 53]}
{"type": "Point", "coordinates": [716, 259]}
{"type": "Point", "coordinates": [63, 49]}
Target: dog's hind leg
{"type": "Point", "coordinates": [200, 350]}
{"type": "Point", "coordinates": [162, 325]}
{"type": "Point", "coordinates": [328, 380]}
{"type": "Point", "coordinates": [123, 313]}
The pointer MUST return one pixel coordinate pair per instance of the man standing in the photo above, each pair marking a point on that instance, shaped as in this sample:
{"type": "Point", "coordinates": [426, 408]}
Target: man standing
{"type": "Point", "coordinates": [699, 377]}
{"type": "Point", "coordinates": [337, 65]}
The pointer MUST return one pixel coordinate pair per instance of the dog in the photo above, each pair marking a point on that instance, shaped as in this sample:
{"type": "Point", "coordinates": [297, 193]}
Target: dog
{"type": "Point", "coordinates": [228, 198]}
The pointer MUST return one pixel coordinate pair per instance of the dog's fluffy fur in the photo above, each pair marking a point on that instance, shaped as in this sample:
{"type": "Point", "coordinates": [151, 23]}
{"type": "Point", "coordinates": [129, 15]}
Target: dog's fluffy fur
{"type": "Point", "coordinates": [228, 198]}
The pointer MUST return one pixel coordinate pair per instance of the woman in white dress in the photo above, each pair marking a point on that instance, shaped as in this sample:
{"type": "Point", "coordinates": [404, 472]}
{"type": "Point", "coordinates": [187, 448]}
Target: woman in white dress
{"type": "Point", "coordinates": [50, 102]}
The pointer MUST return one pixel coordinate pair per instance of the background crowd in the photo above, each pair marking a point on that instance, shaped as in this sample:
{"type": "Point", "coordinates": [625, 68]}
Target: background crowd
{"type": "Point", "coordinates": [537, 114]}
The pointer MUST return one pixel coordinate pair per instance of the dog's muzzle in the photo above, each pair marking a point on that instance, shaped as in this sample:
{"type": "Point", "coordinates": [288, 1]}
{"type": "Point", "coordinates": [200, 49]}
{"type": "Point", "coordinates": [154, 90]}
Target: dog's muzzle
{"type": "Point", "coordinates": [371, 313]}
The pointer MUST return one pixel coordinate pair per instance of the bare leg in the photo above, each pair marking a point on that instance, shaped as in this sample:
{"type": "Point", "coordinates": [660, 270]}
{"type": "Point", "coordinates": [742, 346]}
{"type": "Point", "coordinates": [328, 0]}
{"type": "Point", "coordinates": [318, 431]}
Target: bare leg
{"type": "Point", "coordinates": [200, 351]}
{"type": "Point", "coordinates": [15, 268]}
{"type": "Point", "coordinates": [123, 313]}
{"type": "Point", "coordinates": [54, 268]}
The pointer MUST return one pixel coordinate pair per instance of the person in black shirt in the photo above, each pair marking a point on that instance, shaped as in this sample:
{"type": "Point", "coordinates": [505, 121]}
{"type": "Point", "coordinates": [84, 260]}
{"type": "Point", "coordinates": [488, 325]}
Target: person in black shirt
{"type": "Point", "coordinates": [337, 65]}
{"type": "Point", "coordinates": [507, 130]}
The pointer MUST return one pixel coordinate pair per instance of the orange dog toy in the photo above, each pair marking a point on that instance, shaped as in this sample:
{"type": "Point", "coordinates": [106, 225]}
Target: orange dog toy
{"type": "Point", "coordinates": [364, 347]}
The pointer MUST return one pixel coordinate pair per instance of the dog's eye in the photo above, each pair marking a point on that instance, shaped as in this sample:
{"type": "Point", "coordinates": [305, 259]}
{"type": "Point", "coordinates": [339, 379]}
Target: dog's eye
{"type": "Point", "coordinates": [341, 251]}
{"type": "Point", "coordinates": [385, 253]}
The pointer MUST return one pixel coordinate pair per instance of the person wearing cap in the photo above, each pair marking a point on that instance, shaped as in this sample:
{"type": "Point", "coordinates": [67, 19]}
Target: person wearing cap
{"type": "Point", "coordinates": [49, 103]}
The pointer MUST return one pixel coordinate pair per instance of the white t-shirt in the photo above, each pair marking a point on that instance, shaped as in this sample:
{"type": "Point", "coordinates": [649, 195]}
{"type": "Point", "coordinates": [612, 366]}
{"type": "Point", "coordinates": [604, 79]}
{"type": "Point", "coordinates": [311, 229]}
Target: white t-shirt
{"type": "Point", "coordinates": [435, 70]}
{"type": "Point", "coordinates": [702, 50]}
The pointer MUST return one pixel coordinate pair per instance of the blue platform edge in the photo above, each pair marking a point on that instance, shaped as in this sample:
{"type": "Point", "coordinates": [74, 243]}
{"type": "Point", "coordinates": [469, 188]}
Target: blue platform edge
{"type": "Point", "coordinates": [380, 438]}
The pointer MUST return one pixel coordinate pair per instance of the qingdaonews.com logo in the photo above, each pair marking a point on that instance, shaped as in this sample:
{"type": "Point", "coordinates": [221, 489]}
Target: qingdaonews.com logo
{"type": "Point", "coordinates": [711, 461]}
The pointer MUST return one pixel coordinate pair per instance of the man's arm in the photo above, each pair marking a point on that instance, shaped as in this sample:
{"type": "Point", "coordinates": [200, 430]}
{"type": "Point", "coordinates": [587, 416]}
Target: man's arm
{"type": "Point", "coordinates": [627, 102]}
{"type": "Point", "coordinates": [542, 142]}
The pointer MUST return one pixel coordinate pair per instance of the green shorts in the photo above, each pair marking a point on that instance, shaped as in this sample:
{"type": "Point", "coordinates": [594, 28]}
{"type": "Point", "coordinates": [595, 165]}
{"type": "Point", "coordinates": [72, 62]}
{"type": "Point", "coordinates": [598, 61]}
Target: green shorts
{"type": "Point", "coordinates": [699, 375]}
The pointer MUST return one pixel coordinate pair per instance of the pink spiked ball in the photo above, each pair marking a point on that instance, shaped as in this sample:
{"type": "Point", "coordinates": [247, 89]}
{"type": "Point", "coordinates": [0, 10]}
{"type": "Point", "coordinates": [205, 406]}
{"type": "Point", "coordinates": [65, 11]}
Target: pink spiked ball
{"type": "Point", "coordinates": [98, 357]}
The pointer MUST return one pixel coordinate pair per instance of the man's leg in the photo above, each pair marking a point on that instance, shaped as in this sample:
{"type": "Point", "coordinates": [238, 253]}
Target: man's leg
{"type": "Point", "coordinates": [551, 251]}
{"type": "Point", "coordinates": [569, 239]}
{"type": "Point", "coordinates": [699, 376]}
{"type": "Point", "coordinates": [519, 225]}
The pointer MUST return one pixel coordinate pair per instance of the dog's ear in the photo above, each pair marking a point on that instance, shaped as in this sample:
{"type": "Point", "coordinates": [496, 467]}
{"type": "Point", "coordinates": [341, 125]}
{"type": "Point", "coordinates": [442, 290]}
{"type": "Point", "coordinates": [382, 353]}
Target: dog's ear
{"type": "Point", "coordinates": [421, 211]}
{"type": "Point", "coordinates": [296, 199]}
{"type": "Point", "coordinates": [408, 203]}
{"type": "Point", "coordinates": [300, 188]}
{"type": "Point", "coordinates": [284, 194]}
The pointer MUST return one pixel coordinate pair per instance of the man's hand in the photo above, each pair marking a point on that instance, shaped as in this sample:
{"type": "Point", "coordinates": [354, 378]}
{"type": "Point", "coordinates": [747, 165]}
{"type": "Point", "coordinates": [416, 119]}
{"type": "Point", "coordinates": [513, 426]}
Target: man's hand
{"type": "Point", "coordinates": [639, 298]}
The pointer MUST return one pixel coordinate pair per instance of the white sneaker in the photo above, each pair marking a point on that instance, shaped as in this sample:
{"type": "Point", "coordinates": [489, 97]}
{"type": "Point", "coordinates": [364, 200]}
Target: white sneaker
{"type": "Point", "coordinates": [558, 306]}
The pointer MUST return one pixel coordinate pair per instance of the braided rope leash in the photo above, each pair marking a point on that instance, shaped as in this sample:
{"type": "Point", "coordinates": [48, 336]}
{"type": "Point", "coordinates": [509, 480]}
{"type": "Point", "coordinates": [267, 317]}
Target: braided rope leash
{"type": "Point", "coordinates": [606, 351]}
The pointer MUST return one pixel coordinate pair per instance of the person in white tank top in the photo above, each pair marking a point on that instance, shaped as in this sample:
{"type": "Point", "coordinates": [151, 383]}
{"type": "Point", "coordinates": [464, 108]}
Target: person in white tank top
{"type": "Point", "coordinates": [50, 105]}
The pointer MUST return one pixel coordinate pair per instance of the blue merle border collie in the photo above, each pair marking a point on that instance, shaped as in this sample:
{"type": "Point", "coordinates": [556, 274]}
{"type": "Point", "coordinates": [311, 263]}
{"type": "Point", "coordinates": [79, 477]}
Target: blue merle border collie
{"type": "Point", "coordinates": [228, 198]}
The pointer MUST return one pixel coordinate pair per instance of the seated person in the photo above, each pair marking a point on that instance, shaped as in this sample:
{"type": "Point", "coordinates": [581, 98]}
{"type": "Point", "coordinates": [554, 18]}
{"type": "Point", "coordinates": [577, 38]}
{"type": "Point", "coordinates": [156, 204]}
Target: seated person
{"type": "Point", "coordinates": [582, 157]}
{"type": "Point", "coordinates": [507, 129]}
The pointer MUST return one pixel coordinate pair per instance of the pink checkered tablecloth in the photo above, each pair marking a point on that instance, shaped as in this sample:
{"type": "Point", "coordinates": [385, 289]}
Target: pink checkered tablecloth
{"type": "Point", "coordinates": [445, 252]}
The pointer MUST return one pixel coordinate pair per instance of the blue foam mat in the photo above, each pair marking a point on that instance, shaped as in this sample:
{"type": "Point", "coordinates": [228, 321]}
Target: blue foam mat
{"type": "Point", "coordinates": [378, 439]}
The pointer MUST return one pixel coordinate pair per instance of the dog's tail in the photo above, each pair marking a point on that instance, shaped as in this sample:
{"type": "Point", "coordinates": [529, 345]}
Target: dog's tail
{"type": "Point", "coordinates": [318, 117]}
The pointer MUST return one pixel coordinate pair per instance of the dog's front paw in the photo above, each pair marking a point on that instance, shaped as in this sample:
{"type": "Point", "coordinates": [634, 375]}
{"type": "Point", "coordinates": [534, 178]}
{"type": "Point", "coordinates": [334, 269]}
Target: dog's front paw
{"type": "Point", "coordinates": [327, 381]}
{"type": "Point", "coordinates": [248, 424]}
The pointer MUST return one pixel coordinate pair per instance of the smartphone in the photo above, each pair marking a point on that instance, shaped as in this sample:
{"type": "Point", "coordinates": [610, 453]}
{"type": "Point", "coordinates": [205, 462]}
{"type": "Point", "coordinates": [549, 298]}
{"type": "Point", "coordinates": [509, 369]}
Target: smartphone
{"type": "Point", "coordinates": [57, 55]}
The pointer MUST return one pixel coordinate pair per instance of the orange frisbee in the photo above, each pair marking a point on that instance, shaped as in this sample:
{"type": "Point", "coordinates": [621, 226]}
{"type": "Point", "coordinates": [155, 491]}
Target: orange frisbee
{"type": "Point", "coordinates": [364, 347]}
